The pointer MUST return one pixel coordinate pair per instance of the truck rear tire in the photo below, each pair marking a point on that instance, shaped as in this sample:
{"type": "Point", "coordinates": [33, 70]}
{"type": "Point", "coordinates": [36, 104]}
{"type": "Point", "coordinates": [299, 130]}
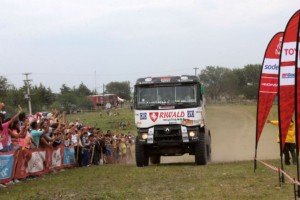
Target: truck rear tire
{"type": "Point", "coordinates": [200, 150]}
{"type": "Point", "coordinates": [208, 147]}
{"type": "Point", "coordinates": [155, 159]}
{"type": "Point", "coordinates": [141, 156]}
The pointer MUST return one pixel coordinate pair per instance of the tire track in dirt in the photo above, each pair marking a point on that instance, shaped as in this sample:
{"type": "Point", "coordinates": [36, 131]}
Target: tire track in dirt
{"type": "Point", "coordinates": [233, 136]}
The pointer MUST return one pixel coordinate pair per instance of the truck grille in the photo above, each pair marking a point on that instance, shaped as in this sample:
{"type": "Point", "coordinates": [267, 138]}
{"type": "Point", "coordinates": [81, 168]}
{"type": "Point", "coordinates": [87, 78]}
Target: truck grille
{"type": "Point", "coordinates": [167, 133]}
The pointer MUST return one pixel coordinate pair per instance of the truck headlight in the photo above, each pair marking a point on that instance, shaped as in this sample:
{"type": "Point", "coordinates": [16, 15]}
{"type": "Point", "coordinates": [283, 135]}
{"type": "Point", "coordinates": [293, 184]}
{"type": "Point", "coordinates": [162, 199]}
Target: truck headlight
{"type": "Point", "coordinates": [144, 136]}
{"type": "Point", "coordinates": [192, 134]}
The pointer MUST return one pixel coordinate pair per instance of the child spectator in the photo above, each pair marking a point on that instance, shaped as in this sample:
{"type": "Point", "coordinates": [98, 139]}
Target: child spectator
{"type": "Point", "coordinates": [108, 149]}
{"type": "Point", "coordinates": [123, 149]}
{"type": "Point", "coordinates": [86, 149]}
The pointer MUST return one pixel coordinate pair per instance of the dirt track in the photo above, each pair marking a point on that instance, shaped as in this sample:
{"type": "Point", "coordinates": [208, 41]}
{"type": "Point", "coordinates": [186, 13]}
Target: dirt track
{"type": "Point", "coordinates": [233, 136]}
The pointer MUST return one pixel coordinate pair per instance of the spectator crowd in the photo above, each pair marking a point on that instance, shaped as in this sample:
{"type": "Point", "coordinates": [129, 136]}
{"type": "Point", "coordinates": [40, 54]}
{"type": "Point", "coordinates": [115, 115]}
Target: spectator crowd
{"type": "Point", "coordinates": [47, 130]}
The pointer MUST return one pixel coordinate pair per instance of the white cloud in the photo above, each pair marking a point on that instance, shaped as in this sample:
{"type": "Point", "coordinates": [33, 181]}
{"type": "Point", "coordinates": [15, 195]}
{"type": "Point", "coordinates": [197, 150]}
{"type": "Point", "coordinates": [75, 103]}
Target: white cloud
{"type": "Point", "coordinates": [160, 36]}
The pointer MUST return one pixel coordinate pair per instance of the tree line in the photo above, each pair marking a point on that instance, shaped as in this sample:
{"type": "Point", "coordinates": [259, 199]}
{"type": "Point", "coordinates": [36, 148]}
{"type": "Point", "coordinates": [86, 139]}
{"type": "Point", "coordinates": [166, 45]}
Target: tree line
{"type": "Point", "coordinates": [220, 82]}
{"type": "Point", "coordinates": [231, 84]}
{"type": "Point", "coordinates": [69, 99]}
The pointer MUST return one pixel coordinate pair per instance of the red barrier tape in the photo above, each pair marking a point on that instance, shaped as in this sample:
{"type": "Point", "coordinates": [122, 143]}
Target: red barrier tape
{"type": "Point", "coordinates": [279, 170]}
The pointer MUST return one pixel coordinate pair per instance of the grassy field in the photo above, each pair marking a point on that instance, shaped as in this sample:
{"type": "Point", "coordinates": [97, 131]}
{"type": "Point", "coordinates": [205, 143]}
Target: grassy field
{"type": "Point", "coordinates": [168, 181]}
{"type": "Point", "coordinates": [217, 180]}
{"type": "Point", "coordinates": [101, 120]}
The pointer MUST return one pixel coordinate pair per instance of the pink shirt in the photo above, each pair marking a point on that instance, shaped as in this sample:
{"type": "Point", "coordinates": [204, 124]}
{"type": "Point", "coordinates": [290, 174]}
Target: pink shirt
{"type": "Point", "coordinates": [27, 141]}
{"type": "Point", "coordinates": [5, 133]}
{"type": "Point", "coordinates": [23, 140]}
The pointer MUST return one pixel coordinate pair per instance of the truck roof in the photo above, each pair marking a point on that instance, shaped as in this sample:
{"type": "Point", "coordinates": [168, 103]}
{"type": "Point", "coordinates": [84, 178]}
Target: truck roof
{"type": "Point", "coordinates": [167, 79]}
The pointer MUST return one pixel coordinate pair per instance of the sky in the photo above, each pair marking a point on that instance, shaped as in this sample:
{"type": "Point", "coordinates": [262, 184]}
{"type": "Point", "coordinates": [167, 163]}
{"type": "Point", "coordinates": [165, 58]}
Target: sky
{"type": "Point", "coordinates": [96, 42]}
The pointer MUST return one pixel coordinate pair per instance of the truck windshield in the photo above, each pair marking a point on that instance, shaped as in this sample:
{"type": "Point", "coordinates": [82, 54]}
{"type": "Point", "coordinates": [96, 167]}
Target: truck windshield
{"type": "Point", "coordinates": [166, 95]}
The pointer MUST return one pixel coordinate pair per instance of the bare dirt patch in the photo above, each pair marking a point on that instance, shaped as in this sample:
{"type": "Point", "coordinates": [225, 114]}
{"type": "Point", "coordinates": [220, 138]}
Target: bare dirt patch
{"type": "Point", "coordinates": [233, 136]}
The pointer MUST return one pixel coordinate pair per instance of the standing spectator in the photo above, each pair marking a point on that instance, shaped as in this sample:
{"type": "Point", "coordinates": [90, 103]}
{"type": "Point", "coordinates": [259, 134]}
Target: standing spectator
{"type": "Point", "coordinates": [290, 143]}
{"type": "Point", "coordinates": [25, 142]}
{"type": "Point", "coordinates": [131, 105]}
{"type": "Point", "coordinates": [46, 140]}
{"type": "Point", "coordinates": [108, 149]}
{"type": "Point", "coordinates": [36, 133]}
{"type": "Point", "coordinates": [78, 123]}
{"type": "Point", "coordinates": [4, 131]}
{"type": "Point", "coordinates": [86, 149]}
{"type": "Point", "coordinates": [108, 108]}
{"type": "Point", "coordinates": [58, 139]}
{"type": "Point", "coordinates": [123, 149]}
{"type": "Point", "coordinates": [15, 134]}
{"type": "Point", "coordinates": [78, 145]}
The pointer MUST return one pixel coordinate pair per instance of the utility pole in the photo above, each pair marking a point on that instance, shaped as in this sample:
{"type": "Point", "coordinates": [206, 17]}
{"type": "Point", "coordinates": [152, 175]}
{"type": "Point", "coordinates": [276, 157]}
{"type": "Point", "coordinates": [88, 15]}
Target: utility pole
{"type": "Point", "coordinates": [27, 95]}
{"type": "Point", "coordinates": [103, 90]}
{"type": "Point", "coordinates": [195, 68]}
{"type": "Point", "coordinates": [95, 83]}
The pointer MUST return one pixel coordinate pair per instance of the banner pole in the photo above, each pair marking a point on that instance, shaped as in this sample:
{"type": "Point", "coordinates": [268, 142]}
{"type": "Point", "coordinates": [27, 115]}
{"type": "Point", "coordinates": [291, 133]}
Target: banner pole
{"type": "Point", "coordinates": [268, 85]}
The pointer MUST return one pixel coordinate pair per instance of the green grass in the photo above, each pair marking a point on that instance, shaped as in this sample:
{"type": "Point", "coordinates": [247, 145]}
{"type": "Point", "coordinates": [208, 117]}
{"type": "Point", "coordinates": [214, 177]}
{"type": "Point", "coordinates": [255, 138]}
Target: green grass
{"type": "Point", "coordinates": [105, 122]}
{"type": "Point", "coordinates": [235, 180]}
{"type": "Point", "coordinates": [167, 181]}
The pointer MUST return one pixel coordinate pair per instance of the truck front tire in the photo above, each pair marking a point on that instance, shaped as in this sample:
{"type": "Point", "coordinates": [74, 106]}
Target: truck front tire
{"type": "Point", "coordinates": [141, 156]}
{"type": "Point", "coordinates": [201, 150]}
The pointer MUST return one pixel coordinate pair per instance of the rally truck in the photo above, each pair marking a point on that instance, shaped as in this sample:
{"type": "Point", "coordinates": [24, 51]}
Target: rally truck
{"type": "Point", "coordinates": [169, 117]}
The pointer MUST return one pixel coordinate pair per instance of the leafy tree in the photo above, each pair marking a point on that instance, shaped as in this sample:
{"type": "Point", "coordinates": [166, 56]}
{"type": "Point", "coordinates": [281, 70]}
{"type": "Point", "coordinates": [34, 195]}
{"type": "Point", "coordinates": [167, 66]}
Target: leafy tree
{"type": "Point", "coordinates": [68, 101]}
{"type": "Point", "coordinates": [250, 91]}
{"type": "Point", "coordinates": [229, 84]}
{"type": "Point", "coordinates": [213, 78]}
{"type": "Point", "coordinates": [41, 98]}
{"type": "Point", "coordinates": [83, 90]}
{"type": "Point", "coordinates": [122, 89]}
{"type": "Point", "coordinates": [249, 80]}
{"type": "Point", "coordinates": [252, 74]}
{"type": "Point", "coordinates": [73, 99]}
{"type": "Point", "coordinates": [14, 97]}
{"type": "Point", "coordinates": [4, 87]}
{"type": "Point", "coordinates": [65, 89]}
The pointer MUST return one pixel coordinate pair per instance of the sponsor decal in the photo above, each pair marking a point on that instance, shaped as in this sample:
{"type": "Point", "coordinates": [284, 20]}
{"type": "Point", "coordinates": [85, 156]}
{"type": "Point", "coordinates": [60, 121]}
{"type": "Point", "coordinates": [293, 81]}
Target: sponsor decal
{"type": "Point", "coordinates": [288, 75]}
{"type": "Point", "coordinates": [171, 114]}
{"type": "Point", "coordinates": [167, 116]}
{"type": "Point", "coordinates": [6, 166]}
{"type": "Point", "coordinates": [271, 67]}
{"type": "Point", "coordinates": [166, 107]}
{"type": "Point", "coordinates": [143, 116]}
{"type": "Point", "coordinates": [270, 84]}
{"type": "Point", "coordinates": [153, 116]}
{"type": "Point", "coordinates": [187, 122]}
{"type": "Point", "coordinates": [289, 51]}
{"type": "Point", "coordinates": [165, 79]}
{"type": "Point", "coordinates": [278, 46]}
{"type": "Point", "coordinates": [190, 113]}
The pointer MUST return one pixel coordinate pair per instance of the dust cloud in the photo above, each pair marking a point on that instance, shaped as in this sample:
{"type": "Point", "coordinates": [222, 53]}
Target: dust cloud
{"type": "Point", "coordinates": [233, 136]}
